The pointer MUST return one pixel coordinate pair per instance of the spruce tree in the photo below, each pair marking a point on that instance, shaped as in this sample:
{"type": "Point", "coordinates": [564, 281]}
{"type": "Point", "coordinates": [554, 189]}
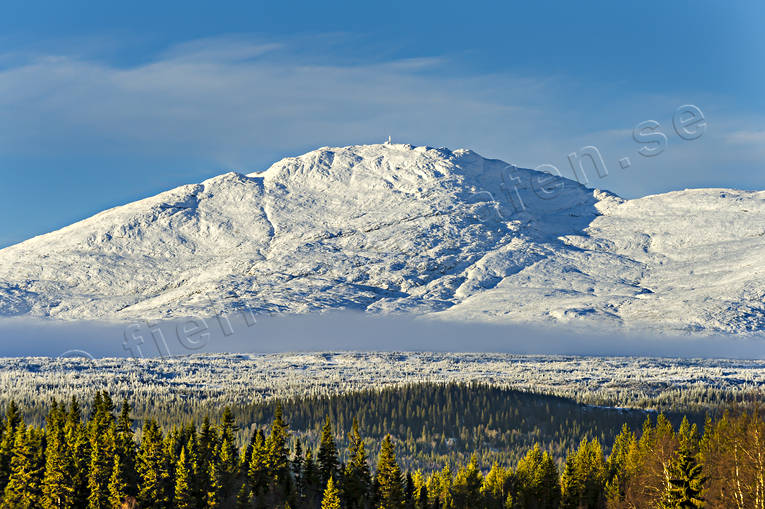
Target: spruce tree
{"type": "Point", "coordinates": [571, 484]}
{"type": "Point", "coordinates": [686, 485]}
{"type": "Point", "coordinates": [409, 490]}
{"type": "Point", "coordinates": [183, 492]}
{"type": "Point", "coordinates": [24, 488]}
{"type": "Point", "coordinates": [227, 457]}
{"type": "Point", "coordinates": [439, 487]}
{"type": "Point", "coordinates": [214, 493]}
{"type": "Point", "coordinates": [617, 466]}
{"type": "Point", "coordinates": [357, 483]}
{"type": "Point", "coordinates": [99, 473]}
{"type": "Point", "coordinates": [296, 465]}
{"type": "Point", "coordinates": [102, 449]}
{"type": "Point", "coordinates": [538, 481]}
{"type": "Point", "coordinates": [388, 478]}
{"type": "Point", "coordinates": [311, 478]}
{"type": "Point", "coordinates": [226, 471]}
{"type": "Point", "coordinates": [12, 420]}
{"type": "Point", "coordinates": [118, 488]}
{"type": "Point", "coordinates": [123, 481]}
{"type": "Point", "coordinates": [153, 477]}
{"type": "Point", "coordinates": [495, 487]}
{"type": "Point", "coordinates": [244, 498]}
{"type": "Point", "coordinates": [331, 499]}
{"type": "Point", "coordinates": [206, 446]}
{"type": "Point", "coordinates": [58, 488]}
{"type": "Point", "coordinates": [688, 437]}
{"type": "Point", "coordinates": [228, 430]}
{"type": "Point", "coordinates": [584, 477]}
{"type": "Point", "coordinates": [328, 462]}
{"type": "Point", "coordinates": [466, 489]}
{"type": "Point", "coordinates": [278, 460]}
{"type": "Point", "coordinates": [246, 455]}
{"type": "Point", "coordinates": [257, 471]}
{"type": "Point", "coordinates": [78, 453]}
{"type": "Point", "coordinates": [422, 498]}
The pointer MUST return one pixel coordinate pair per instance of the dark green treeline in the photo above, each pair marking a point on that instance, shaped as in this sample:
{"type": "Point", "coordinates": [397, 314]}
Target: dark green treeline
{"type": "Point", "coordinates": [104, 461]}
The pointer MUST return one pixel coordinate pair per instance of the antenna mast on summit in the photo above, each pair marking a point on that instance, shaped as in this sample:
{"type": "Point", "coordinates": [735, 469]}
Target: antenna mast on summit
{"type": "Point", "coordinates": [388, 142]}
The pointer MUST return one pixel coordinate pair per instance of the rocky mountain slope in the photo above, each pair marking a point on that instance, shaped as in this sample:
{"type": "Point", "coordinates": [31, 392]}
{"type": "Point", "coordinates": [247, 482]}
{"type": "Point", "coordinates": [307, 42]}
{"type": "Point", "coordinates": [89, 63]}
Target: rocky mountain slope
{"type": "Point", "coordinates": [395, 228]}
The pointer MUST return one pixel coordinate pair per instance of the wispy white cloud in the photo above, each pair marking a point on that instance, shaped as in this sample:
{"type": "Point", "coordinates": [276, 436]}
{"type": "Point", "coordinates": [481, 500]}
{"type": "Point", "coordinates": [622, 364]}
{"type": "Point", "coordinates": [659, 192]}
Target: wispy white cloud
{"type": "Point", "coordinates": [746, 137]}
{"type": "Point", "coordinates": [230, 96]}
{"type": "Point", "coordinates": [219, 49]}
{"type": "Point", "coordinates": [230, 100]}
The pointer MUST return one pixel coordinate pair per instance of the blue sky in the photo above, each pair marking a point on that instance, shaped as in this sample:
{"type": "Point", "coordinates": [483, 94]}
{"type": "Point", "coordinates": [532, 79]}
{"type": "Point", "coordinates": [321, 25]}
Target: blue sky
{"type": "Point", "coordinates": [102, 103]}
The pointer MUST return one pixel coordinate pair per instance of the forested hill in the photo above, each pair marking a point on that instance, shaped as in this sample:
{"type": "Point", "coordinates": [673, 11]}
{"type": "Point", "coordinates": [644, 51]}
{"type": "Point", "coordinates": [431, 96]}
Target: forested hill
{"type": "Point", "coordinates": [99, 459]}
{"type": "Point", "coordinates": [431, 423]}
{"type": "Point", "coordinates": [436, 423]}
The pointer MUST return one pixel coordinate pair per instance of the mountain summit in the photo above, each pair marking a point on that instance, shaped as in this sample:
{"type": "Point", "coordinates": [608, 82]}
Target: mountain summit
{"type": "Point", "coordinates": [396, 228]}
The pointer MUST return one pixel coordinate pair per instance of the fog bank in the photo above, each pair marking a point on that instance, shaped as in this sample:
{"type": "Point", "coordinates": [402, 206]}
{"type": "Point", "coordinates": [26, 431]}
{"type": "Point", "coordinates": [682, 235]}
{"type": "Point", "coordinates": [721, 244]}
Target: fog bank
{"type": "Point", "coordinates": [347, 331]}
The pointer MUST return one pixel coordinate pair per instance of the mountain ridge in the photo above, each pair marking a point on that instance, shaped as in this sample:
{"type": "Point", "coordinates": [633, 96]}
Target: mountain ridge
{"type": "Point", "coordinates": [396, 228]}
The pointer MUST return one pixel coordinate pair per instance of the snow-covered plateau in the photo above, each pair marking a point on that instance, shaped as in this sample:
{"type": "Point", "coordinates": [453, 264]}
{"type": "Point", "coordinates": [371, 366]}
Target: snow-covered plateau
{"type": "Point", "coordinates": [244, 378]}
{"type": "Point", "coordinates": [395, 228]}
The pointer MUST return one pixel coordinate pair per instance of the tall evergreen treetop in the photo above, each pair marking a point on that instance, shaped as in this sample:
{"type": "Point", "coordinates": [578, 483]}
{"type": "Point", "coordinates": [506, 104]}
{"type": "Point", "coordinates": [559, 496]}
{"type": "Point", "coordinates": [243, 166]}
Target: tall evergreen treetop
{"type": "Point", "coordinates": [328, 462]}
{"type": "Point", "coordinates": [388, 477]}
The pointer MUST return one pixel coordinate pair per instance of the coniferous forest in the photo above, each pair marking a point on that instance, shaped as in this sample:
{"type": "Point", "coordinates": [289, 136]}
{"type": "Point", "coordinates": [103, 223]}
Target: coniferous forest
{"type": "Point", "coordinates": [108, 456]}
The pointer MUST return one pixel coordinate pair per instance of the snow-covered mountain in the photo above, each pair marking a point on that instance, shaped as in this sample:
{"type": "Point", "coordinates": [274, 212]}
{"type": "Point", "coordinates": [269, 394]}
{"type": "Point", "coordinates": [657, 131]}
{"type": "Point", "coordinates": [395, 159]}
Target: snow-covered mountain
{"type": "Point", "coordinates": [395, 228]}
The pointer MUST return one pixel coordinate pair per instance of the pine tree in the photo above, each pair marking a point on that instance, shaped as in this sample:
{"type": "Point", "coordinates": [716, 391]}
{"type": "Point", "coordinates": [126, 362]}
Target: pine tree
{"type": "Point", "coordinates": [388, 478]}
{"type": "Point", "coordinates": [331, 499]}
{"type": "Point", "coordinates": [328, 462]}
